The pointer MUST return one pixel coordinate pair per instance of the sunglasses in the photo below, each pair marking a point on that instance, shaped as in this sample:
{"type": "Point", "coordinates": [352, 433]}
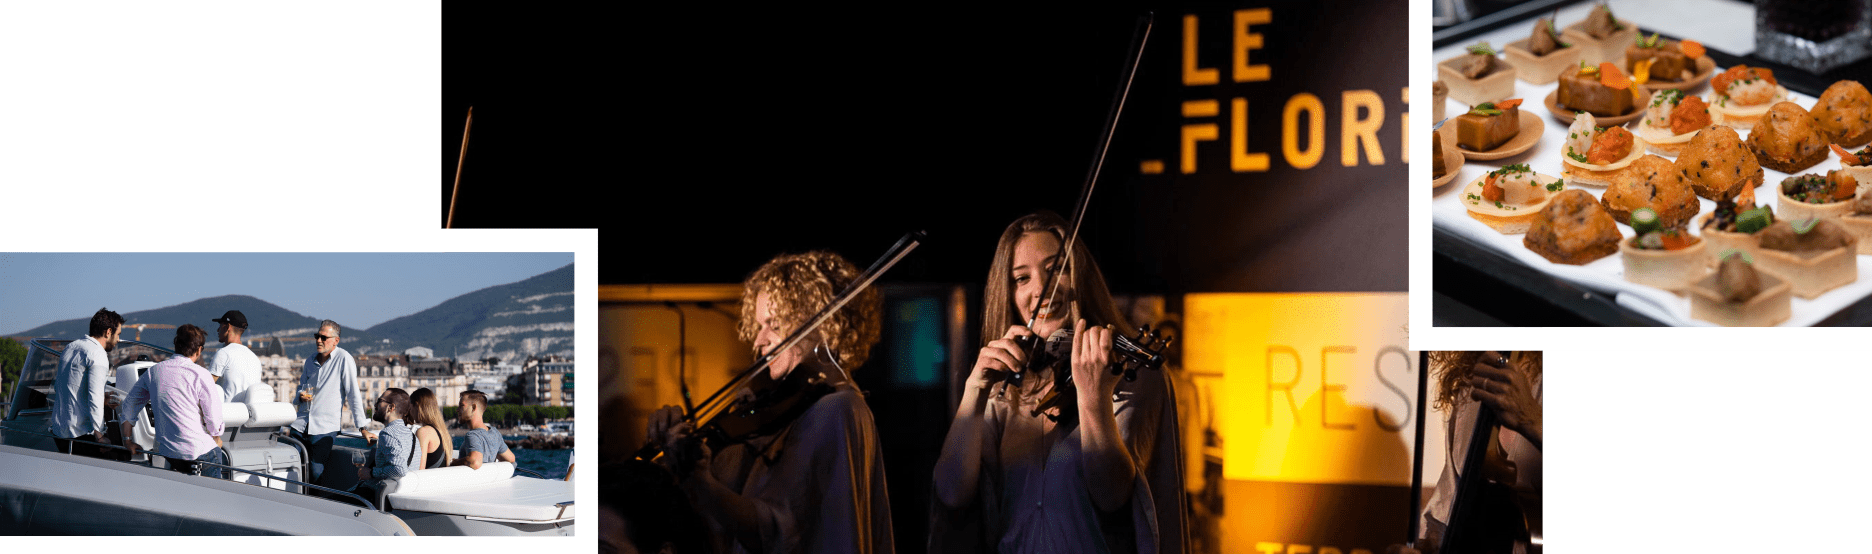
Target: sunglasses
{"type": "Point", "coordinates": [323, 338]}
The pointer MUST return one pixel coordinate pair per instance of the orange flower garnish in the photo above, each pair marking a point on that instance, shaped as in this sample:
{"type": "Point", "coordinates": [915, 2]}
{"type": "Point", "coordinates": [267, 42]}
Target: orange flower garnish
{"type": "Point", "coordinates": [1609, 75]}
{"type": "Point", "coordinates": [1692, 48]}
{"type": "Point", "coordinates": [1845, 157]}
{"type": "Point", "coordinates": [1641, 71]}
{"type": "Point", "coordinates": [1508, 104]}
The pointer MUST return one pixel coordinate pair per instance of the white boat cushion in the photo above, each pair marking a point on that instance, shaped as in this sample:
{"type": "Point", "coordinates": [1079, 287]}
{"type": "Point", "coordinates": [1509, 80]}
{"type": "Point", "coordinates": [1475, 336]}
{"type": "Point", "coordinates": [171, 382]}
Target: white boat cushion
{"type": "Point", "coordinates": [234, 414]}
{"type": "Point", "coordinates": [260, 392]}
{"type": "Point", "coordinates": [271, 414]}
{"type": "Point", "coordinates": [489, 492]}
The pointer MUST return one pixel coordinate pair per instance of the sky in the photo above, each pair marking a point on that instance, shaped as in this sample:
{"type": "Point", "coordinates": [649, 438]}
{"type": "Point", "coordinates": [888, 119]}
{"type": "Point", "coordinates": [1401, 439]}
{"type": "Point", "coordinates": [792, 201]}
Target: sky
{"type": "Point", "coordinates": [360, 289]}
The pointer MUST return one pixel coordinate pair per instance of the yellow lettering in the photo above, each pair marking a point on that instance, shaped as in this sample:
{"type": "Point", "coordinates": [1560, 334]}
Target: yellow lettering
{"type": "Point", "coordinates": [1299, 549]}
{"type": "Point", "coordinates": [1245, 41]}
{"type": "Point", "coordinates": [1326, 387]}
{"type": "Point", "coordinates": [1287, 387]}
{"type": "Point", "coordinates": [1404, 128]}
{"type": "Point", "coordinates": [1355, 131]}
{"type": "Point", "coordinates": [1316, 131]}
{"type": "Point", "coordinates": [1329, 550]}
{"type": "Point", "coordinates": [1240, 159]}
{"type": "Point", "coordinates": [1268, 547]}
{"type": "Point", "coordinates": [1193, 75]}
{"type": "Point", "coordinates": [1197, 132]}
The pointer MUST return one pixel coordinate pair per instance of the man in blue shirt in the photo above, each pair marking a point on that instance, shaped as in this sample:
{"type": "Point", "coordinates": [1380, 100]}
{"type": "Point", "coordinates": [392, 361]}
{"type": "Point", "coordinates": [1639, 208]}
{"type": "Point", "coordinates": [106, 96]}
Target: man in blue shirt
{"type": "Point", "coordinates": [78, 387]}
{"type": "Point", "coordinates": [396, 454]}
{"type": "Point", "coordinates": [328, 382]}
{"type": "Point", "coordinates": [483, 444]}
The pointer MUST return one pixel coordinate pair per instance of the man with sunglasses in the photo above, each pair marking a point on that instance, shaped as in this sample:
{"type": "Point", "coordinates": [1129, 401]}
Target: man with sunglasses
{"type": "Point", "coordinates": [328, 381]}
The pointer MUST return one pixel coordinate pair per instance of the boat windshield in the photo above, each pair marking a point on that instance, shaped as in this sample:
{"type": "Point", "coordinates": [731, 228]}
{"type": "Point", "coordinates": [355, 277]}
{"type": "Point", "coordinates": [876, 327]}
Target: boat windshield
{"type": "Point", "coordinates": [35, 381]}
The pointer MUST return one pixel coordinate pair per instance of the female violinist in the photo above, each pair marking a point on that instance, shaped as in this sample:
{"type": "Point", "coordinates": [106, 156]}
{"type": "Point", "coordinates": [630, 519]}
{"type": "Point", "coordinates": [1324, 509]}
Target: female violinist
{"type": "Point", "coordinates": [1097, 473]}
{"type": "Point", "coordinates": [1509, 386]}
{"type": "Point", "coordinates": [818, 485]}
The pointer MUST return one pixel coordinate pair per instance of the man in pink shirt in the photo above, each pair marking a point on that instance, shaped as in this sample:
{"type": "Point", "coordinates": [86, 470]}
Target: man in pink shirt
{"type": "Point", "coordinates": [186, 403]}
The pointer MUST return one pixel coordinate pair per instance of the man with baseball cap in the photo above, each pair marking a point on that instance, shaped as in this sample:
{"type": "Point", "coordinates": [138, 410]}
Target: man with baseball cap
{"type": "Point", "coordinates": [235, 364]}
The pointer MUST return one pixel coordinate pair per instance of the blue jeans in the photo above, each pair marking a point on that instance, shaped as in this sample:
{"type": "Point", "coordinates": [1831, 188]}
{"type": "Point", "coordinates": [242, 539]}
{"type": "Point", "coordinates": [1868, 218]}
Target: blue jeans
{"type": "Point", "coordinates": [319, 448]}
{"type": "Point", "coordinates": [212, 472]}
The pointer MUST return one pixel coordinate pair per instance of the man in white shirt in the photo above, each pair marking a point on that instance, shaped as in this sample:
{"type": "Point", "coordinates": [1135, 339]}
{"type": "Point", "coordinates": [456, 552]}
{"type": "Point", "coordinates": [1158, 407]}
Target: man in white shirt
{"type": "Point", "coordinates": [78, 387]}
{"type": "Point", "coordinates": [235, 364]}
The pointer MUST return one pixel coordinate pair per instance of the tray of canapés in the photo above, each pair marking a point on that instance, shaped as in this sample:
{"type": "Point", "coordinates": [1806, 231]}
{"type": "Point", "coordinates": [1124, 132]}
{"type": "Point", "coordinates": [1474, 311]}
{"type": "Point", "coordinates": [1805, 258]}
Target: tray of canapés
{"type": "Point", "coordinates": [1651, 192]}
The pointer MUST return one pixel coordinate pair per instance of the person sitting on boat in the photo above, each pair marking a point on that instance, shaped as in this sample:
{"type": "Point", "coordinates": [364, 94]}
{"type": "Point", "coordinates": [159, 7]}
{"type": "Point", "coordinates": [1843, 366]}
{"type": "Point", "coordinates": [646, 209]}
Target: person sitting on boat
{"type": "Point", "coordinates": [78, 387]}
{"type": "Point", "coordinates": [327, 382]}
{"type": "Point", "coordinates": [235, 364]}
{"type": "Point", "coordinates": [186, 406]}
{"type": "Point", "coordinates": [396, 454]}
{"type": "Point", "coordinates": [431, 429]}
{"type": "Point", "coordinates": [483, 444]}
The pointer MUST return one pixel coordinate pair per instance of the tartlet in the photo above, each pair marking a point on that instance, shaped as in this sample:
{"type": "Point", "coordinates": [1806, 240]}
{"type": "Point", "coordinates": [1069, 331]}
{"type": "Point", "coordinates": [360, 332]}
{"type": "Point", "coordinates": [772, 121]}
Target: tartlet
{"type": "Point", "coordinates": [1495, 82]}
{"type": "Point", "coordinates": [1539, 58]}
{"type": "Point", "coordinates": [1771, 305]}
{"type": "Point", "coordinates": [1601, 37]}
{"type": "Point", "coordinates": [1812, 272]}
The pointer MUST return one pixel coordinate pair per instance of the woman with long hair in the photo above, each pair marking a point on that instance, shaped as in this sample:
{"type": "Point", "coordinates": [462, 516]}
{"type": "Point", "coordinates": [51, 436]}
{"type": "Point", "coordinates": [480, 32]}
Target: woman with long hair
{"type": "Point", "coordinates": [818, 484]}
{"type": "Point", "coordinates": [432, 430]}
{"type": "Point", "coordinates": [1096, 472]}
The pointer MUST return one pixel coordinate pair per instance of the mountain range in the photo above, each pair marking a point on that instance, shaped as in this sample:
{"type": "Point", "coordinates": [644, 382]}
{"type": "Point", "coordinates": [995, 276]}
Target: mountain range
{"type": "Point", "coordinates": [531, 317]}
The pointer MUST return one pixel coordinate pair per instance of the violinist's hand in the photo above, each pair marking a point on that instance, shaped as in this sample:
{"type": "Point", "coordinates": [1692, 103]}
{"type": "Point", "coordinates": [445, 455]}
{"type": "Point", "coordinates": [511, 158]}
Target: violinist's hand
{"type": "Point", "coordinates": [1510, 392]}
{"type": "Point", "coordinates": [1001, 357]}
{"type": "Point", "coordinates": [1091, 360]}
{"type": "Point", "coordinates": [667, 427]}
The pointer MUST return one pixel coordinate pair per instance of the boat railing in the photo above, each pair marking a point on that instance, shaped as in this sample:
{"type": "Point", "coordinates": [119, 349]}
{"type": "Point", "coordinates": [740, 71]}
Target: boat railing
{"type": "Point", "coordinates": [151, 463]}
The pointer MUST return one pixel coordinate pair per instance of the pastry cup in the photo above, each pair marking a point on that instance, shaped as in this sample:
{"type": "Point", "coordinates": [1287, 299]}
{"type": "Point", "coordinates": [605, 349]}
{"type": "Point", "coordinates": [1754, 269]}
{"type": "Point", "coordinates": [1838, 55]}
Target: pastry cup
{"type": "Point", "coordinates": [1795, 210]}
{"type": "Point", "coordinates": [1539, 70]}
{"type": "Point", "coordinates": [1860, 227]}
{"type": "Point", "coordinates": [1720, 241]}
{"type": "Point", "coordinates": [1672, 270]}
{"type": "Point", "coordinates": [1594, 51]}
{"type": "Point", "coordinates": [1771, 306]}
{"type": "Point", "coordinates": [1812, 274]}
{"type": "Point", "coordinates": [1452, 160]}
{"type": "Point", "coordinates": [1495, 86]}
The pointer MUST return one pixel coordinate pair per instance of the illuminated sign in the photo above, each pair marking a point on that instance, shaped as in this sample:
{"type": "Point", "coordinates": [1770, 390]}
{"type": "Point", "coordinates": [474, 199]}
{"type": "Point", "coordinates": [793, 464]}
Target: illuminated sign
{"type": "Point", "coordinates": [1316, 416]}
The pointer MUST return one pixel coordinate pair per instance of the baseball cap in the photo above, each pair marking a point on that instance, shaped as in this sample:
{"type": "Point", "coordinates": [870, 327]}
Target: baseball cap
{"type": "Point", "coordinates": [233, 317]}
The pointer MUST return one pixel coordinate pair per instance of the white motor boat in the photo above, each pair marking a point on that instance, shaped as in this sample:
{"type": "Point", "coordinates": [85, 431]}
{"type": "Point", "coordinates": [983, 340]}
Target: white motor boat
{"type": "Point", "coordinates": [45, 492]}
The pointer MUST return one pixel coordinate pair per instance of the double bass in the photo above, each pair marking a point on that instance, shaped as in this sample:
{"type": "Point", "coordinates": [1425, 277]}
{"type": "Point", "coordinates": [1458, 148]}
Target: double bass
{"type": "Point", "coordinates": [1488, 515]}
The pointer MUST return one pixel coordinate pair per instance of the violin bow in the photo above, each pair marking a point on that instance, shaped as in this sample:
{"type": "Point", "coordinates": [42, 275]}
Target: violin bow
{"type": "Point", "coordinates": [463, 158]}
{"type": "Point", "coordinates": [1138, 37]}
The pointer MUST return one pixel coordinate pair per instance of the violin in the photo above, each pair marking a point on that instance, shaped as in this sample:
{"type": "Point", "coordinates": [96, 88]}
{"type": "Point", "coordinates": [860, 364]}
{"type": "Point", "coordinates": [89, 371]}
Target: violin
{"type": "Point", "coordinates": [1146, 351]}
{"type": "Point", "coordinates": [1487, 515]}
{"type": "Point", "coordinates": [765, 407]}
{"type": "Point", "coordinates": [754, 404]}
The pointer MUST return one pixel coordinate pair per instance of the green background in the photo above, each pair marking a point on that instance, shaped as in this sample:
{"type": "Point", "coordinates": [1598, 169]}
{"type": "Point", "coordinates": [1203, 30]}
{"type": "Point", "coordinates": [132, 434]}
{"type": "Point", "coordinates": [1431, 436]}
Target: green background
{"type": "Point", "coordinates": [1708, 451]}
{"type": "Point", "coordinates": [219, 113]}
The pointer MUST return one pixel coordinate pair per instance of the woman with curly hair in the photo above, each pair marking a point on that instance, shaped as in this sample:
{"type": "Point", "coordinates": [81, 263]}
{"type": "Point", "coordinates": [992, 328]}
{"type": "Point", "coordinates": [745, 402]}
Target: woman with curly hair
{"type": "Point", "coordinates": [818, 485]}
{"type": "Point", "coordinates": [1097, 472]}
{"type": "Point", "coordinates": [1509, 385]}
